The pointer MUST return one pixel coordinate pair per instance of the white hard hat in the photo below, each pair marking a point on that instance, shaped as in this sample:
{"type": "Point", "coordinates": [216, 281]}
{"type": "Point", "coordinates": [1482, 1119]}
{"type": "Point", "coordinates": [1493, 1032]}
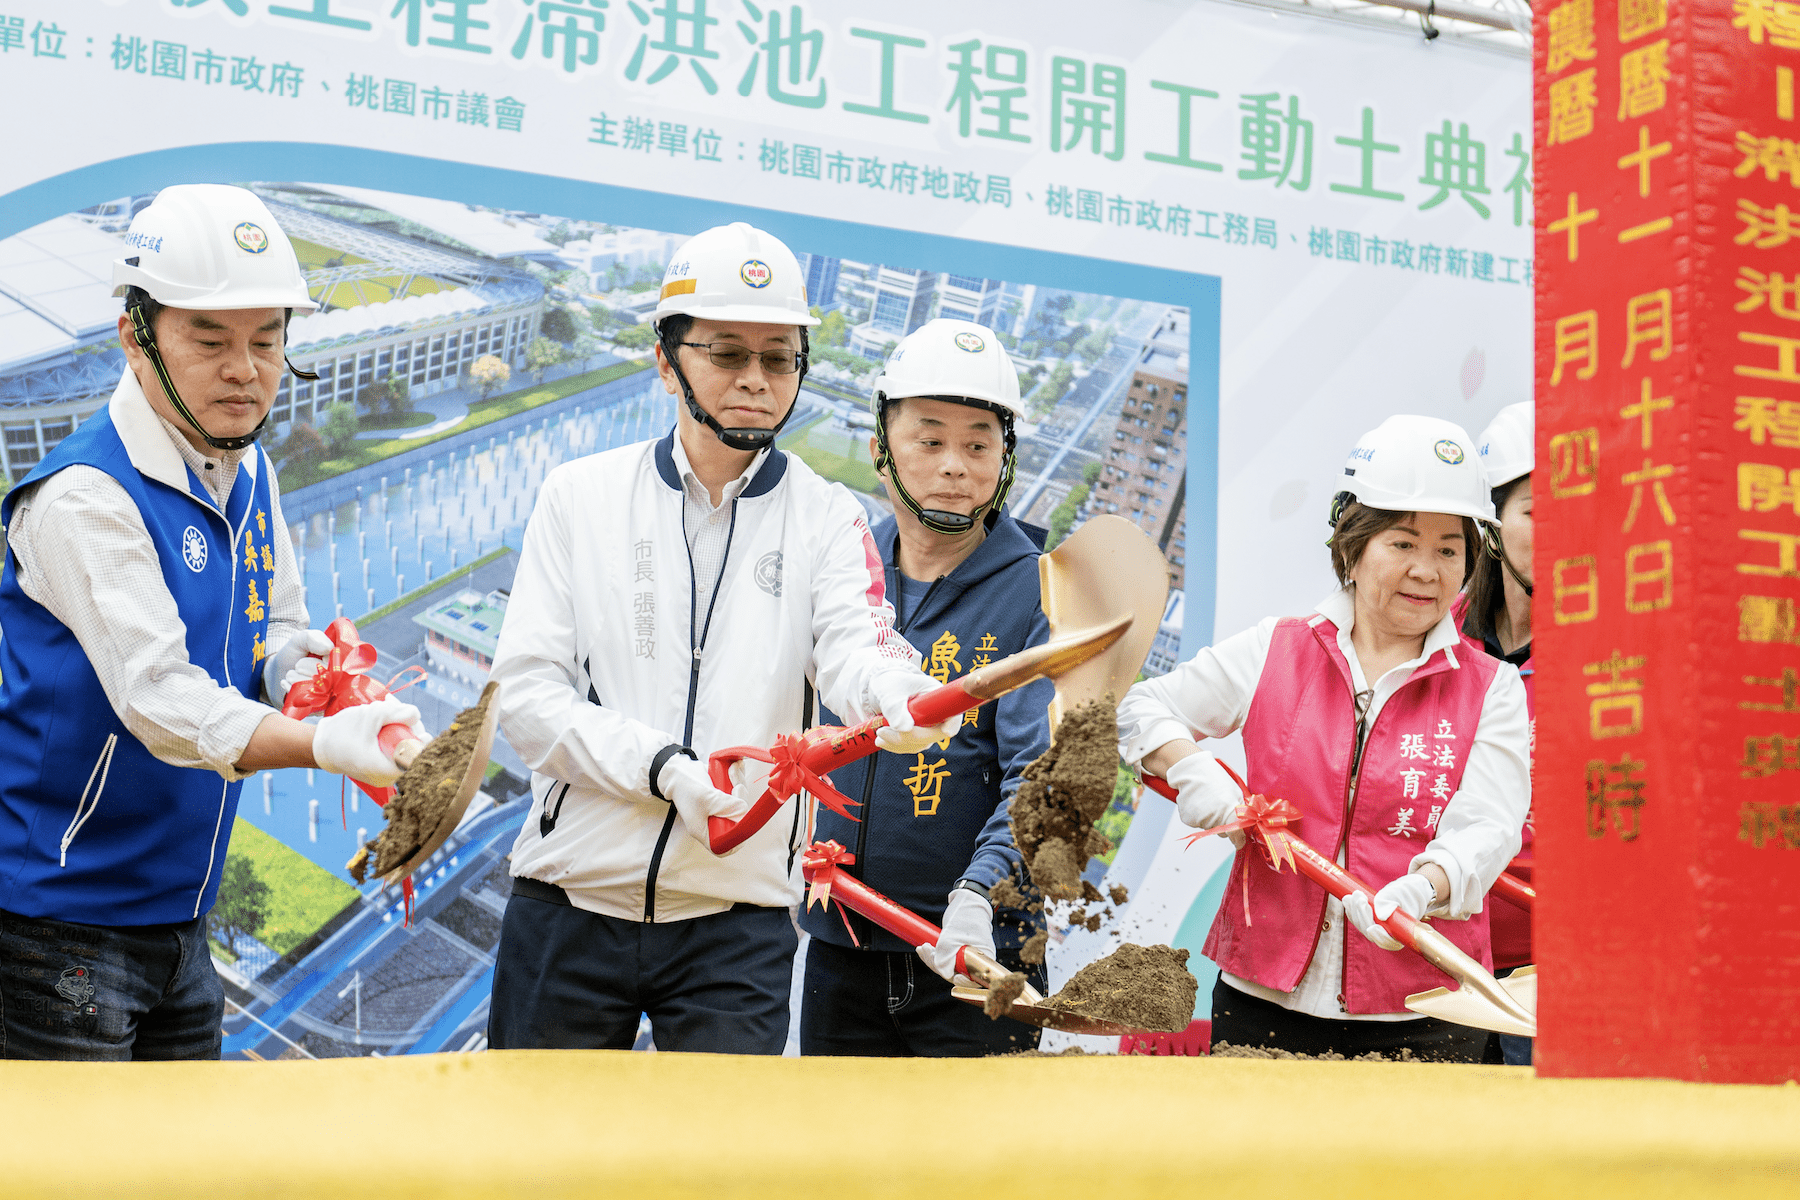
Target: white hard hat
{"type": "Point", "coordinates": [947, 357]}
{"type": "Point", "coordinates": [1416, 464]}
{"type": "Point", "coordinates": [1507, 444]}
{"type": "Point", "coordinates": [735, 272]}
{"type": "Point", "coordinates": [209, 247]}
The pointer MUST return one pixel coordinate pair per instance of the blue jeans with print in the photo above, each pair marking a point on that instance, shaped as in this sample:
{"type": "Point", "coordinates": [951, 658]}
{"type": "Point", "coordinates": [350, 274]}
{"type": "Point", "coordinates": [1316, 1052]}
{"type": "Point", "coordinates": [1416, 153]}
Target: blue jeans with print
{"type": "Point", "coordinates": [107, 994]}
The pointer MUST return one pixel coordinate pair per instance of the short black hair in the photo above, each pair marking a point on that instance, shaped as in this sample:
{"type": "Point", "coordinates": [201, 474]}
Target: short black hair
{"type": "Point", "coordinates": [673, 330]}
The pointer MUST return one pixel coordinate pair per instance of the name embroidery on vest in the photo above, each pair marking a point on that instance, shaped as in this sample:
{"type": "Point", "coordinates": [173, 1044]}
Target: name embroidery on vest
{"type": "Point", "coordinates": [1425, 757]}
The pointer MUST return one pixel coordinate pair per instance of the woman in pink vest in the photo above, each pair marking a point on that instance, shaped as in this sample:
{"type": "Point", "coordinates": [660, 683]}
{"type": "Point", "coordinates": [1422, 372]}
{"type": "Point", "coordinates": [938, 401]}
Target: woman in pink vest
{"type": "Point", "coordinates": [1404, 748]}
{"type": "Point", "coordinates": [1495, 614]}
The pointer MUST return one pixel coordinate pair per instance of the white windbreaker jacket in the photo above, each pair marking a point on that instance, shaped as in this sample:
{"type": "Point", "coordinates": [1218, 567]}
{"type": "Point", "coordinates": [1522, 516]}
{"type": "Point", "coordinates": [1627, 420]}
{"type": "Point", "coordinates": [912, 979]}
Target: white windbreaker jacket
{"type": "Point", "coordinates": [602, 664]}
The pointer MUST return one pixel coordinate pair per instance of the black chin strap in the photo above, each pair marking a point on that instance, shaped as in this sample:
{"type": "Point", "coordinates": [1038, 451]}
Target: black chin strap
{"type": "Point", "coordinates": [936, 519]}
{"type": "Point", "coordinates": [1506, 561]}
{"type": "Point", "coordinates": [740, 438]}
{"type": "Point", "coordinates": [145, 337]}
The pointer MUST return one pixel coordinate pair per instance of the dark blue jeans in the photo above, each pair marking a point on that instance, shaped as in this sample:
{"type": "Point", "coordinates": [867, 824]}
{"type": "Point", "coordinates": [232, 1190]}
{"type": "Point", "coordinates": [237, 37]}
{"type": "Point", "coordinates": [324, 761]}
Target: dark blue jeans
{"type": "Point", "coordinates": [569, 979]}
{"type": "Point", "coordinates": [107, 994]}
{"type": "Point", "coordinates": [886, 1004]}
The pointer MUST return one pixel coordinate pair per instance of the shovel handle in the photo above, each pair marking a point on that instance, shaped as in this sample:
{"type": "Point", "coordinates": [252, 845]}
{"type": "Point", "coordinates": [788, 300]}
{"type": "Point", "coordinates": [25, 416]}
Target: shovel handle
{"type": "Point", "coordinates": [1416, 935]}
{"type": "Point", "coordinates": [1516, 891]}
{"type": "Point", "coordinates": [398, 743]}
{"type": "Point", "coordinates": [909, 926]}
{"type": "Point", "coordinates": [827, 748]}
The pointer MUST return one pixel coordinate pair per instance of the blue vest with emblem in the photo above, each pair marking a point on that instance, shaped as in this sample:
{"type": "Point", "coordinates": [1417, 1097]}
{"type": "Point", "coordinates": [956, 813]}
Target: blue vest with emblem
{"type": "Point", "coordinates": [94, 828]}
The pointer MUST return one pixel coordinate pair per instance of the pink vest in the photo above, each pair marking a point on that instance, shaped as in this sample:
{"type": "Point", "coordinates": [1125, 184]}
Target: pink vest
{"type": "Point", "coordinates": [1300, 740]}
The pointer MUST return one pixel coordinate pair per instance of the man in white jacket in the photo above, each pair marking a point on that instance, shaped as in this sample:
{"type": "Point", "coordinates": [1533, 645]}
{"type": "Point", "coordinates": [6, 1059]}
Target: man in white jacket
{"type": "Point", "coordinates": [673, 598]}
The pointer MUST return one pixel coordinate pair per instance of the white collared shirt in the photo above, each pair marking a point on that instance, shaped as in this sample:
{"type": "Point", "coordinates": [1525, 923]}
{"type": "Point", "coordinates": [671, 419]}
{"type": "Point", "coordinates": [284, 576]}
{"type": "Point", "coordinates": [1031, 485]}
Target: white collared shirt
{"type": "Point", "coordinates": [708, 526]}
{"type": "Point", "coordinates": [83, 552]}
{"type": "Point", "coordinates": [1479, 832]}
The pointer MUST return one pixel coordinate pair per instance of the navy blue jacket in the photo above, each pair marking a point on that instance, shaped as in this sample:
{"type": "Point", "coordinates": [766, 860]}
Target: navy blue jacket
{"type": "Point", "coordinates": [931, 819]}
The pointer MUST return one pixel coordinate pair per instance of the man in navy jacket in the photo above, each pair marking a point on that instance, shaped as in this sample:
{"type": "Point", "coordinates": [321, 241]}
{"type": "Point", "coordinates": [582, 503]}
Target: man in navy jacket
{"type": "Point", "coordinates": [934, 833]}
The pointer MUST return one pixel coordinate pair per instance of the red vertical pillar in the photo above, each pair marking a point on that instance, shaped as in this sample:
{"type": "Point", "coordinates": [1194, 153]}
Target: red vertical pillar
{"type": "Point", "coordinates": [1668, 538]}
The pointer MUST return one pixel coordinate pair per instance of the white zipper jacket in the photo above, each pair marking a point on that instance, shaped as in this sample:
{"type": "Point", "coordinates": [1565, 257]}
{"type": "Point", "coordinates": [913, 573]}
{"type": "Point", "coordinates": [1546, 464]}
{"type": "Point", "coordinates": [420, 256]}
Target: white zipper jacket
{"type": "Point", "coordinates": [603, 663]}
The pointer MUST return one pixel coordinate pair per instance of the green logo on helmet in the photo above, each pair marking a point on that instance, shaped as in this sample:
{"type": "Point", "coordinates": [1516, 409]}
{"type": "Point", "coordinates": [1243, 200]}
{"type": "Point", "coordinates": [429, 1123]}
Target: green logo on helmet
{"type": "Point", "coordinates": [1449, 451]}
{"type": "Point", "coordinates": [250, 238]}
{"type": "Point", "coordinates": [971, 342]}
{"type": "Point", "coordinates": [756, 273]}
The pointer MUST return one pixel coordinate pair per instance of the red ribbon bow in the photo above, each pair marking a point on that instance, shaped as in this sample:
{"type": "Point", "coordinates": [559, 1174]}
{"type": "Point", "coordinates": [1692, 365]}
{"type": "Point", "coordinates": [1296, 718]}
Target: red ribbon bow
{"type": "Point", "coordinates": [819, 859]}
{"type": "Point", "coordinates": [342, 682]}
{"type": "Point", "coordinates": [821, 855]}
{"type": "Point", "coordinates": [791, 775]}
{"type": "Point", "coordinates": [1266, 821]}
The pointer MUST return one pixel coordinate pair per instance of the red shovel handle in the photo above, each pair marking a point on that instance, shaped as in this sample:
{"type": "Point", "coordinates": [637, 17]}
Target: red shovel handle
{"type": "Point", "coordinates": [391, 736]}
{"type": "Point", "coordinates": [860, 898]}
{"type": "Point", "coordinates": [1511, 888]}
{"type": "Point", "coordinates": [1341, 883]}
{"type": "Point", "coordinates": [825, 749]}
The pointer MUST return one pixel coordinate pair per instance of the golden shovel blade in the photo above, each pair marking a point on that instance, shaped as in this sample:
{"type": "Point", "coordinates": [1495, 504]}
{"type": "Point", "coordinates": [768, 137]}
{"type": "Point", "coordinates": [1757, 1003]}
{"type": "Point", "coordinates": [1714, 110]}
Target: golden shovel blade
{"type": "Point", "coordinates": [1466, 1006]}
{"type": "Point", "coordinates": [473, 774]}
{"type": "Point", "coordinates": [1105, 569]}
{"type": "Point", "coordinates": [1046, 1017]}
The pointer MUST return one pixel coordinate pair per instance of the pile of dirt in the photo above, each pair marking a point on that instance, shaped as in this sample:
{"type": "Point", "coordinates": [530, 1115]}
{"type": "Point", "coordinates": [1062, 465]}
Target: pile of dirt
{"type": "Point", "coordinates": [1227, 1050]}
{"type": "Point", "coordinates": [1064, 792]}
{"type": "Point", "coordinates": [424, 793]}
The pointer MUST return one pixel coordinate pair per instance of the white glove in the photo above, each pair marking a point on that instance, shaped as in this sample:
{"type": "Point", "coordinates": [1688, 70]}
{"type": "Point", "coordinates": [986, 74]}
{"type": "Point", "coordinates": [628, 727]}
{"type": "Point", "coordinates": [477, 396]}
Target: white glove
{"type": "Point", "coordinates": [968, 921]}
{"type": "Point", "coordinates": [1413, 893]}
{"type": "Point", "coordinates": [688, 788]}
{"type": "Point", "coordinates": [893, 690]}
{"type": "Point", "coordinates": [345, 744]}
{"type": "Point", "coordinates": [1207, 796]}
{"type": "Point", "coordinates": [299, 659]}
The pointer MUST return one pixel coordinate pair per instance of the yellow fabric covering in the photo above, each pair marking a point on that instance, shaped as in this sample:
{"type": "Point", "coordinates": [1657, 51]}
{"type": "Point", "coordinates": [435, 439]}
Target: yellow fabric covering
{"type": "Point", "coordinates": [553, 1124]}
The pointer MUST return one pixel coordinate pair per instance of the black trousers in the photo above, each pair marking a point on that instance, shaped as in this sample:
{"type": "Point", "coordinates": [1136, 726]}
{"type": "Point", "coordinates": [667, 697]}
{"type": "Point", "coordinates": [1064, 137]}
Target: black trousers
{"type": "Point", "coordinates": [883, 1004]}
{"type": "Point", "coordinates": [1240, 1019]}
{"type": "Point", "coordinates": [569, 979]}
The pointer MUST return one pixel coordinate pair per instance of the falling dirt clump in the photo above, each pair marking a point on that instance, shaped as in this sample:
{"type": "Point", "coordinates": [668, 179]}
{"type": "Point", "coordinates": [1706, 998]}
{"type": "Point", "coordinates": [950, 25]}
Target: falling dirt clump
{"type": "Point", "coordinates": [1000, 997]}
{"type": "Point", "coordinates": [1119, 893]}
{"type": "Point", "coordinates": [1064, 792]}
{"type": "Point", "coordinates": [1033, 949]}
{"type": "Point", "coordinates": [423, 795]}
{"type": "Point", "coordinates": [1005, 894]}
{"type": "Point", "coordinates": [1142, 987]}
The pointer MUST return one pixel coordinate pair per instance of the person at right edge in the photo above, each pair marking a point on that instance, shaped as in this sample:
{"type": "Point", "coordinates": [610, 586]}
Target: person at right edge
{"type": "Point", "coordinates": [1404, 748]}
{"type": "Point", "coordinates": [1496, 614]}
{"type": "Point", "coordinates": [934, 834]}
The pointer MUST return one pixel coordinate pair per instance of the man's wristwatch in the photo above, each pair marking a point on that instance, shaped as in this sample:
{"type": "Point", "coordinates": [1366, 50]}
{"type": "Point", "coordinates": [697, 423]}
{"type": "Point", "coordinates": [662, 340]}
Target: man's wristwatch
{"type": "Point", "coordinates": [969, 885]}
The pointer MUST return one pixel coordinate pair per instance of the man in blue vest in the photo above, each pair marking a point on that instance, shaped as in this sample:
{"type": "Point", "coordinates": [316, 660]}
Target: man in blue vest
{"type": "Point", "coordinates": [934, 833]}
{"type": "Point", "coordinates": [153, 621]}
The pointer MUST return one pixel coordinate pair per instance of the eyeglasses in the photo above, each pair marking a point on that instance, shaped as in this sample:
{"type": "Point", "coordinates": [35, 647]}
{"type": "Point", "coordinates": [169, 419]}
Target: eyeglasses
{"type": "Point", "coordinates": [736, 358]}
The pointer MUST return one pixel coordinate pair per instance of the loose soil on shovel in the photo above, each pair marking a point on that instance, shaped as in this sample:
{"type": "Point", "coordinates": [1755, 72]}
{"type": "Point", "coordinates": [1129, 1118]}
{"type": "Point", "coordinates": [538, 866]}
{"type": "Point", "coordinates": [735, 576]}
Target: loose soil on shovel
{"type": "Point", "coordinates": [422, 795]}
{"type": "Point", "coordinates": [1064, 792]}
{"type": "Point", "coordinates": [1143, 987]}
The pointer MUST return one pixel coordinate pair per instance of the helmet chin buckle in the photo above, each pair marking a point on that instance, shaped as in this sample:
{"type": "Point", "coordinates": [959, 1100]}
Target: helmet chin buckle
{"type": "Point", "coordinates": [746, 439]}
{"type": "Point", "coordinates": [940, 521]}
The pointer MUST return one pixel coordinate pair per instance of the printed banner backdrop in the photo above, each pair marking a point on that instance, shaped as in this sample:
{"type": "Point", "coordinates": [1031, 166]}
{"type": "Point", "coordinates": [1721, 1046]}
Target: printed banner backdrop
{"type": "Point", "coordinates": [1222, 241]}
